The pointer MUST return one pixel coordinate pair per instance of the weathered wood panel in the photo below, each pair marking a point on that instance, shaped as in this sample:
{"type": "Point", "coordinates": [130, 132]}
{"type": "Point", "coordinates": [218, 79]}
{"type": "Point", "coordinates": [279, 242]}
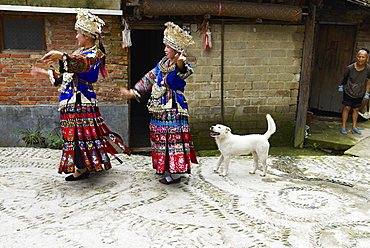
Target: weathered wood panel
{"type": "Point", "coordinates": [334, 52]}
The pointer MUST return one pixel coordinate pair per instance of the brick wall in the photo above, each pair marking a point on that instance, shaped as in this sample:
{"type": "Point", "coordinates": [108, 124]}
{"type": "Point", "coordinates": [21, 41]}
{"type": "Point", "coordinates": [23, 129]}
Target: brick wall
{"type": "Point", "coordinates": [261, 75]}
{"type": "Point", "coordinates": [363, 38]}
{"type": "Point", "coordinates": [19, 87]}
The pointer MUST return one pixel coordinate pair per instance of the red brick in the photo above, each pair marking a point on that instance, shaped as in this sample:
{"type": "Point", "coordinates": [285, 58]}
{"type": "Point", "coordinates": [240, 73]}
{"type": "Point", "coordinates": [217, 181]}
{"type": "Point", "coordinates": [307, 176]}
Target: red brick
{"type": "Point", "coordinates": [11, 70]}
{"type": "Point", "coordinates": [20, 55]}
{"type": "Point", "coordinates": [8, 75]}
{"type": "Point", "coordinates": [15, 80]}
{"type": "Point", "coordinates": [22, 66]}
{"type": "Point", "coordinates": [23, 75]}
{"type": "Point", "coordinates": [7, 84]}
{"type": "Point", "coordinates": [26, 103]}
{"type": "Point", "coordinates": [8, 93]}
{"type": "Point", "coordinates": [66, 42]}
{"type": "Point", "coordinates": [25, 93]}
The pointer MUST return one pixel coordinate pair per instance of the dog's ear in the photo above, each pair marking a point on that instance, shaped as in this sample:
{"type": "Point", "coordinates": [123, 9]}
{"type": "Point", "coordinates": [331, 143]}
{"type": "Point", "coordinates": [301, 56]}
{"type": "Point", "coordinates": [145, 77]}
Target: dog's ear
{"type": "Point", "coordinates": [228, 129]}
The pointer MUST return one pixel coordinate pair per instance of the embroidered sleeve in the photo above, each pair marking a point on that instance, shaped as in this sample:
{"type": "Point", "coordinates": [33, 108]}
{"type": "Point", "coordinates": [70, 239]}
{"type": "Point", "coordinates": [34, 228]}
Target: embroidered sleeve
{"type": "Point", "coordinates": [55, 77]}
{"type": "Point", "coordinates": [137, 95]}
{"type": "Point", "coordinates": [146, 82]}
{"type": "Point", "coordinates": [186, 73]}
{"type": "Point", "coordinates": [79, 63]}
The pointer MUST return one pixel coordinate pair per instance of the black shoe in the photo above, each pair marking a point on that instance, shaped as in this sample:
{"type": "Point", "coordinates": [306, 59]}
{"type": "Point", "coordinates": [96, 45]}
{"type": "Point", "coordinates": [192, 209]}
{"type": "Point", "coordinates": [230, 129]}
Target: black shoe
{"type": "Point", "coordinates": [164, 180]}
{"type": "Point", "coordinates": [84, 175]}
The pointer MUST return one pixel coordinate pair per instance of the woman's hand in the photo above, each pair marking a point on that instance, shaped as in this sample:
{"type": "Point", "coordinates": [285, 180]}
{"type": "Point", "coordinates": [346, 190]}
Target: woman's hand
{"type": "Point", "coordinates": [181, 58]}
{"type": "Point", "coordinates": [38, 72]}
{"type": "Point", "coordinates": [52, 56]}
{"type": "Point", "coordinates": [128, 94]}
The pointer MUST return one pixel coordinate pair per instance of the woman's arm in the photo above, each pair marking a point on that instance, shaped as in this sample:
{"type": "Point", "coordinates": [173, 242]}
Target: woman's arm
{"type": "Point", "coordinates": [144, 85]}
{"type": "Point", "coordinates": [80, 63]}
{"type": "Point", "coordinates": [38, 72]}
{"type": "Point", "coordinates": [73, 63]}
{"type": "Point", "coordinates": [54, 75]}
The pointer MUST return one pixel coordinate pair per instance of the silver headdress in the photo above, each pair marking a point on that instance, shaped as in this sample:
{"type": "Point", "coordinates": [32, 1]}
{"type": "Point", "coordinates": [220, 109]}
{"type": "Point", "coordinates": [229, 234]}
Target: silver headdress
{"type": "Point", "coordinates": [88, 24]}
{"type": "Point", "coordinates": [176, 38]}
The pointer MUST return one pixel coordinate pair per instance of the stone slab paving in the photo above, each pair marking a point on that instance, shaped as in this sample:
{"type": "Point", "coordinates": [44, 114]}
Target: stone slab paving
{"type": "Point", "coordinates": [361, 149]}
{"type": "Point", "coordinates": [302, 202]}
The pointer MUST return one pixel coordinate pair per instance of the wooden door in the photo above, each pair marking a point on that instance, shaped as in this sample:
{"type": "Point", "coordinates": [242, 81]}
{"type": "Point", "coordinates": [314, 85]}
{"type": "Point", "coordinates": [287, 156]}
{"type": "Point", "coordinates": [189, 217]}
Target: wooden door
{"type": "Point", "coordinates": [334, 50]}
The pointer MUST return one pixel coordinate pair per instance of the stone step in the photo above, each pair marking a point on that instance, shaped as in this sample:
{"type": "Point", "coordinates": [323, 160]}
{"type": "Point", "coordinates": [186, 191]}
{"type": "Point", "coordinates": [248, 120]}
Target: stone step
{"type": "Point", "coordinates": [324, 134]}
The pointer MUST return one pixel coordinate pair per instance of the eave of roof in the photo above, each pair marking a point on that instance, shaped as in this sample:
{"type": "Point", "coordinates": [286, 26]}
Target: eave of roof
{"type": "Point", "coordinates": [362, 3]}
{"type": "Point", "coordinates": [57, 10]}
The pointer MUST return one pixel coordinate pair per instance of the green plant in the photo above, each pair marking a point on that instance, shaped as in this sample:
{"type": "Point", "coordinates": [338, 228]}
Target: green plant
{"type": "Point", "coordinates": [314, 146]}
{"type": "Point", "coordinates": [32, 136]}
{"type": "Point", "coordinates": [54, 141]}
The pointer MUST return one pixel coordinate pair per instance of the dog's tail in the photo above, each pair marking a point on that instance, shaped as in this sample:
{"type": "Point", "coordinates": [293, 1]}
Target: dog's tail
{"type": "Point", "coordinates": [271, 127]}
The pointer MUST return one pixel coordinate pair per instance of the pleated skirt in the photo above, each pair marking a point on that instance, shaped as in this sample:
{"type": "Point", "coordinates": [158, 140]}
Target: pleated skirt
{"type": "Point", "coordinates": [171, 142]}
{"type": "Point", "coordinates": [87, 140]}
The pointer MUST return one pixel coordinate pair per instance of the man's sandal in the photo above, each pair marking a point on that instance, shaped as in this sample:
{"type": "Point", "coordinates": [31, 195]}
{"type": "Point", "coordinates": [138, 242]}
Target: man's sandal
{"type": "Point", "coordinates": [343, 131]}
{"type": "Point", "coordinates": [356, 130]}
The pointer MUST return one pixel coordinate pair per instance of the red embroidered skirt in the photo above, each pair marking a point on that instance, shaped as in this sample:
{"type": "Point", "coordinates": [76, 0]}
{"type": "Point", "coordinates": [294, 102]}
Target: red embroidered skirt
{"type": "Point", "coordinates": [172, 146]}
{"type": "Point", "coordinates": [84, 127]}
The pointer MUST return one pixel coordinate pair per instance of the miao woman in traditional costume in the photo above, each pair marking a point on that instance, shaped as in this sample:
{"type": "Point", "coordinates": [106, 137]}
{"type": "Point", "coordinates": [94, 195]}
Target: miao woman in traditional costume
{"type": "Point", "coordinates": [172, 146]}
{"type": "Point", "coordinates": [87, 139]}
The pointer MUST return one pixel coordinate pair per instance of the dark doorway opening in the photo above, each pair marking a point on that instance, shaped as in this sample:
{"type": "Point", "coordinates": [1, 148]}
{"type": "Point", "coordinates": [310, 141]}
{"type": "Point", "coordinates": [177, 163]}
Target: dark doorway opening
{"type": "Point", "coordinates": [146, 51]}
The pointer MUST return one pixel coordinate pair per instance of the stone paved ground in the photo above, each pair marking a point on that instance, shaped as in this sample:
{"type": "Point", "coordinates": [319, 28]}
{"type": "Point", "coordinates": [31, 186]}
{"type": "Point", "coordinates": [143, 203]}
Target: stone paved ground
{"type": "Point", "coordinates": [302, 202]}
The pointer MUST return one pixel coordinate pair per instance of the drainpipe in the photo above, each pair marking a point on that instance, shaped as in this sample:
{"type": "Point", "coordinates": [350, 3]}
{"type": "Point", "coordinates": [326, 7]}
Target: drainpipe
{"type": "Point", "coordinates": [222, 70]}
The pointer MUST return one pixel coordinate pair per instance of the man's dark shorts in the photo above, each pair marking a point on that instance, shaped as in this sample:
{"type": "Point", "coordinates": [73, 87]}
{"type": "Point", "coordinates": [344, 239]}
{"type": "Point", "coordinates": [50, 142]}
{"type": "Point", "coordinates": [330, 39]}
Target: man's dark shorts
{"type": "Point", "coordinates": [352, 102]}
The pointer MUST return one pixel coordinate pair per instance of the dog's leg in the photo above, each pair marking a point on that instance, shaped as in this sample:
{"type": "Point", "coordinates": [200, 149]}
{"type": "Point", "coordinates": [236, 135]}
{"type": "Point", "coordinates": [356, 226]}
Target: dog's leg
{"type": "Point", "coordinates": [264, 163]}
{"type": "Point", "coordinates": [255, 163]}
{"type": "Point", "coordinates": [219, 162]}
{"type": "Point", "coordinates": [226, 166]}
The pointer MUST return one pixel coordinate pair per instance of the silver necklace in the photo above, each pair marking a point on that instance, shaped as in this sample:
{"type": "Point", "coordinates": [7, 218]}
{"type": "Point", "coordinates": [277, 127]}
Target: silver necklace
{"type": "Point", "coordinates": [166, 69]}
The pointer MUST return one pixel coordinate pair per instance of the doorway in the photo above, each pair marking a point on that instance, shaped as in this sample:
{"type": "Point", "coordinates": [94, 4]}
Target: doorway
{"type": "Point", "coordinates": [334, 50]}
{"type": "Point", "coordinates": [146, 51]}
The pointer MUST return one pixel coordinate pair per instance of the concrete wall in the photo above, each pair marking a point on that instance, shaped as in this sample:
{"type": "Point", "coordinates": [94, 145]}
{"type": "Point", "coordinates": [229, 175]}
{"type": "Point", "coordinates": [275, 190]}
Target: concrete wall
{"type": "Point", "coordinates": [261, 75]}
{"type": "Point", "coordinates": [13, 118]}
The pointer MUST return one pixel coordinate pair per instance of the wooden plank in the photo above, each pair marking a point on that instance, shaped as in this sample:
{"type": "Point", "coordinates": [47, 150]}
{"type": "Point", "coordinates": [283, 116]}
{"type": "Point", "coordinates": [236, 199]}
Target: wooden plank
{"type": "Point", "coordinates": [304, 85]}
{"type": "Point", "coordinates": [339, 51]}
{"type": "Point", "coordinates": [334, 51]}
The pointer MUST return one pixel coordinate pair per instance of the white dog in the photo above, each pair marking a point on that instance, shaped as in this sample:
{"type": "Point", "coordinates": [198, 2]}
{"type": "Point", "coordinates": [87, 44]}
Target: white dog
{"type": "Point", "coordinates": [234, 145]}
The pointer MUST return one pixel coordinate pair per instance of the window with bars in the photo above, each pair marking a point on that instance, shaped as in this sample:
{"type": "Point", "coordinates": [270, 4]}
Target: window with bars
{"type": "Point", "coordinates": [22, 34]}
